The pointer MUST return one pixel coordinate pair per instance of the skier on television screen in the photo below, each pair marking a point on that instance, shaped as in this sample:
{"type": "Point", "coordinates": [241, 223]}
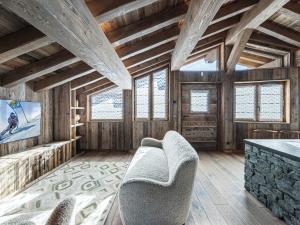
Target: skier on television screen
{"type": "Point", "coordinates": [13, 123]}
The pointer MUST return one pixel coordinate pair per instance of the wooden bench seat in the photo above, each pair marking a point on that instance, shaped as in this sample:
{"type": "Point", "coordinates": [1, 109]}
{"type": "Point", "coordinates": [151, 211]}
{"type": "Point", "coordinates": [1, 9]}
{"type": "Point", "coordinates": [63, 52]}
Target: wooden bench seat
{"type": "Point", "coordinates": [19, 169]}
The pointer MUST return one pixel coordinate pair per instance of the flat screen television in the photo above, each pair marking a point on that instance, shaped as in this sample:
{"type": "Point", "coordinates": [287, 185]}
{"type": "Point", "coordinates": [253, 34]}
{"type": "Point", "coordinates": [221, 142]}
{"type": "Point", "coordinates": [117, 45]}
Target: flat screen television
{"type": "Point", "coordinates": [19, 120]}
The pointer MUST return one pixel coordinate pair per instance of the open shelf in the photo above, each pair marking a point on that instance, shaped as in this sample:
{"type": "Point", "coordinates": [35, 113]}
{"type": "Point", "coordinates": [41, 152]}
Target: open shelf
{"type": "Point", "coordinates": [77, 125]}
{"type": "Point", "coordinates": [79, 108]}
{"type": "Point", "coordinates": [77, 138]}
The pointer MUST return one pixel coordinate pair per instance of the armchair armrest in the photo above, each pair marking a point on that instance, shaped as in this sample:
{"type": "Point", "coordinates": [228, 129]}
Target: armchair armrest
{"type": "Point", "coordinates": [151, 142]}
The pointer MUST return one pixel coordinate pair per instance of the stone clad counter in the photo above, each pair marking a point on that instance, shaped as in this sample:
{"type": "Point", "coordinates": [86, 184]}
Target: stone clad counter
{"type": "Point", "coordinates": [272, 175]}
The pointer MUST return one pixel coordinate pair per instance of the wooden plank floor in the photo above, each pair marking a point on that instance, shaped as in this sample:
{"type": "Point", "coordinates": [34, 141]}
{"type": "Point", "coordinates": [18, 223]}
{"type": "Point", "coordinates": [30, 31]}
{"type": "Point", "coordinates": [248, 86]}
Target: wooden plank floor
{"type": "Point", "coordinates": [219, 197]}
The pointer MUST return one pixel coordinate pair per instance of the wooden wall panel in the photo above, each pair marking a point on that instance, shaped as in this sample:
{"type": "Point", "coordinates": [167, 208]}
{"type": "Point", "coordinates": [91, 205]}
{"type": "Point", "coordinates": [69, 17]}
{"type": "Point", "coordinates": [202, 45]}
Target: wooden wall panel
{"type": "Point", "coordinates": [61, 112]}
{"type": "Point", "coordinates": [24, 93]}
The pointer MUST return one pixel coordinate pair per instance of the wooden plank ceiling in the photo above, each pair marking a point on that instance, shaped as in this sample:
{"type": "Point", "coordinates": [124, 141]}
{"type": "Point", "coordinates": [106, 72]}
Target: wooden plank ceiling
{"type": "Point", "coordinates": [135, 37]}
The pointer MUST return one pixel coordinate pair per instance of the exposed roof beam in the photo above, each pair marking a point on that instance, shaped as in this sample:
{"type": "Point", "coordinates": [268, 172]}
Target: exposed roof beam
{"type": "Point", "coordinates": [92, 86]}
{"type": "Point", "coordinates": [281, 32]}
{"type": "Point", "coordinates": [151, 68]}
{"type": "Point", "coordinates": [171, 34]}
{"type": "Point", "coordinates": [262, 53]}
{"type": "Point", "coordinates": [63, 77]}
{"type": "Point", "coordinates": [148, 55]}
{"type": "Point", "coordinates": [238, 47]}
{"type": "Point", "coordinates": [86, 80]}
{"type": "Point", "coordinates": [250, 64]}
{"type": "Point", "coordinates": [150, 63]}
{"type": "Point", "coordinates": [262, 11]}
{"type": "Point", "coordinates": [206, 47]}
{"type": "Point", "coordinates": [233, 9]}
{"type": "Point", "coordinates": [105, 10]}
{"type": "Point", "coordinates": [221, 26]}
{"type": "Point", "coordinates": [148, 43]}
{"type": "Point", "coordinates": [240, 34]}
{"type": "Point", "coordinates": [267, 48]}
{"type": "Point", "coordinates": [99, 89]}
{"type": "Point", "coordinates": [198, 18]}
{"type": "Point", "coordinates": [20, 42]}
{"type": "Point", "coordinates": [147, 25]}
{"type": "Point", "coordinates": [77, 31]}
{"type": "Point", "coordinates": [37, 69]}
{"type": "Point", "coordinates": [292, 9]}
{"type": "Point", "coordinates": [267, 39]}
{"type": "Point", "coordinates": [255, 58]}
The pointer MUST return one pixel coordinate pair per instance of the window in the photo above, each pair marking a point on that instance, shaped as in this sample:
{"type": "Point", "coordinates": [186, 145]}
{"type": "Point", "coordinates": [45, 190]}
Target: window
{"type": "Point", "coordinates": [262, 102]}
{"type": "Point", "coordinates": [142, 97]}
{"type": "Point", "coordinates": [159, 86]}
{"type": "Point", "coordinates": [199, 101]}
{"type": "Point", "coordinates": [107, 105]}
{"type": "Point", "coordinates": [245, 102]}
{"type": "Point", "coordinates": [151, 96]}
{"type": "Point", "coordinates": [271, 102]}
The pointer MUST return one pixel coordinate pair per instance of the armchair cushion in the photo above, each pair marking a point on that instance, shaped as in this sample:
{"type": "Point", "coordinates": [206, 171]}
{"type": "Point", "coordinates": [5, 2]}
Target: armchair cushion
{"type": "Point", "coordinates": [148, 165]}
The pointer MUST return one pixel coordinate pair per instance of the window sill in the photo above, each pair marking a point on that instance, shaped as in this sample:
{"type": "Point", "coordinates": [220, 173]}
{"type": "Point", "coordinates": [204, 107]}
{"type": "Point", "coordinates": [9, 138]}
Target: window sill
{"type": "Point", "coordinates": [258, 122]}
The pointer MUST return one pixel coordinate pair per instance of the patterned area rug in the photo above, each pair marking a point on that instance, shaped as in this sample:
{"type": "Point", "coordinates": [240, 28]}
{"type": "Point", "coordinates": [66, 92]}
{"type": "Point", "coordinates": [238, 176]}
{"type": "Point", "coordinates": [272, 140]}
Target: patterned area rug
{"type": "Point", "coordinates": [93, 184]}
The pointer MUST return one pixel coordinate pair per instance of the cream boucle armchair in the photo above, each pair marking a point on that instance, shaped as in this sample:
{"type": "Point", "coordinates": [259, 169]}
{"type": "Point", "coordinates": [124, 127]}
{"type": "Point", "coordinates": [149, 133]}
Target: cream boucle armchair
{"type": "Point", "coordinates": [157, 187]}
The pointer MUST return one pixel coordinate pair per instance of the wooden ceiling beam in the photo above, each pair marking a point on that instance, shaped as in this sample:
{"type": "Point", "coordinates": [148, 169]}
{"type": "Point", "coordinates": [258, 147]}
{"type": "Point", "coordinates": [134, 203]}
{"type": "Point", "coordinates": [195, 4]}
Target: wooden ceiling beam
{"type": "Point", "coordinates": [20, 42]}
{"type": "Point", "coordinates": [267, 48]}
{"type": "Point", "coordinates": [106, 10]}
{"type": "Point", "coordinates": [99, 89]}
{"type": "Point", "coordinates": [262, 53]}
{"type": "Point", "coordinates": [233, 9]}
{"type": "Point", "coordinates": [291, 9]}
{"type": "Point", "coordinates": [255, 58]}
{"type": "Point", "coordinates": [238, 47]}
{"type": "Point", "coordinates": [63, 77]}
{"type": "Point", "coordinates": [198, 18]}
{"type": "Point", "coordinates": [38, 69]}
{"type": "Point", "coordinates": [262, 11]}
{"type": "Point", "coordinates": [151, 69]}
{"type": "Point", "coordinates": [150, 63]}
{"type": "Point", "coordinates": [147, 25]}
{"type": "Point", "coordinates": [86, 80]}
{"type": "Point", "coordinates": [71, 24]}
{"type": "Point", "coordinates": [148, 43]}
{"type": "Point", "coordinates": [239, 35]}
{"type": "Point", "coordinates": [283, 33]}
{"type": "Point", "coordinates": [170, 34]}
{"type": "Point", "coordinates": [92, 86]}
{"type": "Point", "coordinates": [250, 64]}
{"type": "Point", "coordinates": [206, 47]}
{"type": "Point", "coordinates": [267, 39]}
{"type": "Point", "coordinates": [221, 26]}
{"type": "Point", "coordinates": [148, 55]}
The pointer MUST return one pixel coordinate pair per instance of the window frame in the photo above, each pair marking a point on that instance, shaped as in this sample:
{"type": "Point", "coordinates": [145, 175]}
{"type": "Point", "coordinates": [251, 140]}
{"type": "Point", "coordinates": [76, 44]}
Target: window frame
{"type": "Point", "coordinates": [104, 120]}
{"type": "Point", "coordinates": [151, 98]}
{"type": "Point", "coordinates": [257, 85]}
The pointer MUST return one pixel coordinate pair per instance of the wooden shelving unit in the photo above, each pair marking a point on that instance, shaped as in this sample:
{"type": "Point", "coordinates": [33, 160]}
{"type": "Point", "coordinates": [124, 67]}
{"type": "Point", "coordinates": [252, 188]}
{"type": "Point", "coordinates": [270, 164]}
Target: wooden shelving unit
{"type": "Point", "coordinates": [75, 122]}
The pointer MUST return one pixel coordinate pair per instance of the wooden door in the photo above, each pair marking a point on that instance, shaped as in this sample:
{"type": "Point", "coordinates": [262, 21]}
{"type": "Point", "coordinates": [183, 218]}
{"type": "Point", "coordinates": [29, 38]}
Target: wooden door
{"type": "Point", "coordinates": [199, 115]}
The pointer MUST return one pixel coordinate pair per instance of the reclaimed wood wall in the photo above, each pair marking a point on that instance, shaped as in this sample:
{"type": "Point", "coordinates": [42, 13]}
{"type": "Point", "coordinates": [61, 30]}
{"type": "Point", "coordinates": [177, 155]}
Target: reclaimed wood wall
{"type": "Point", "coordinates": [127, 134]}
{"type": "Point", "coordinates": [24, 93]}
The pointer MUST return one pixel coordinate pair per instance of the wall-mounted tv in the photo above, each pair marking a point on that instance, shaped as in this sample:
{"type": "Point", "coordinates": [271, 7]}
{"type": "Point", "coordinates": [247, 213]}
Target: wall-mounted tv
{"type": "Point", "coordinates": [19, 120]}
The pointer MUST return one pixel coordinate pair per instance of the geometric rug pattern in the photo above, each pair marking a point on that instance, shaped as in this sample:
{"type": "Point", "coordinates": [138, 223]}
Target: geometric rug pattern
{"type": "Point", "coordinates": [94, 185]}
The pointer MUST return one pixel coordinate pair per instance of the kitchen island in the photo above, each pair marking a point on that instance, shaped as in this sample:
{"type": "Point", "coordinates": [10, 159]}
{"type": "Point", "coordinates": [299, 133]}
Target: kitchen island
{"type": "Point", "coordinates": [272, 175]}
